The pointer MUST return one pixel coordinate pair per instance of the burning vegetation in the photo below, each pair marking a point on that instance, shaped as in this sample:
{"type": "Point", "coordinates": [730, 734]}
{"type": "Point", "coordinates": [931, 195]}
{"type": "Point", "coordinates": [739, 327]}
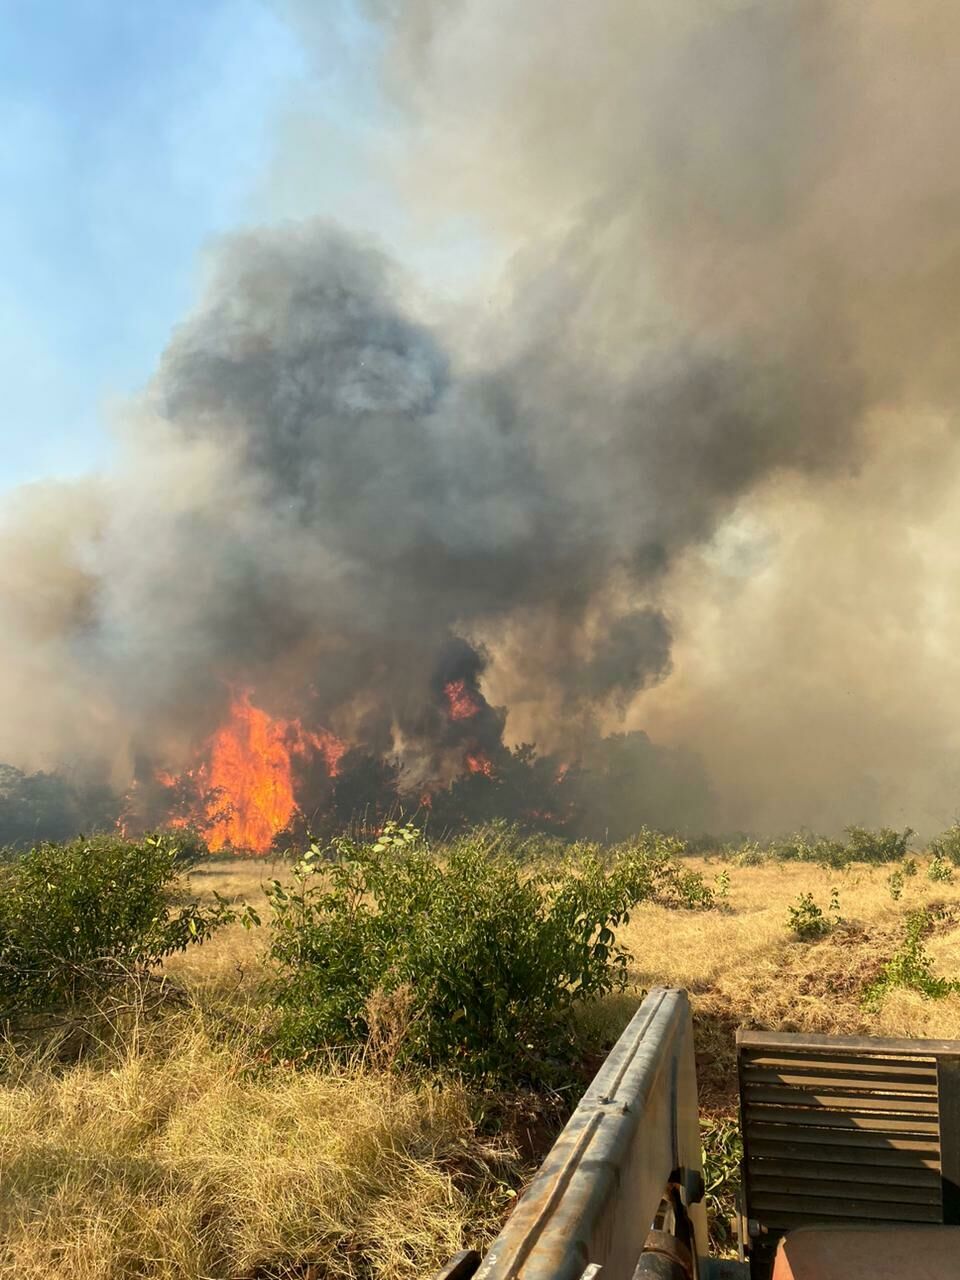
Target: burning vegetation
{"type": "Point", "coordinates": [243, 793]}
{"type": "Point", "coordinates": [355, 549]}
{"type": "Point", "coordinates": [263, 782]}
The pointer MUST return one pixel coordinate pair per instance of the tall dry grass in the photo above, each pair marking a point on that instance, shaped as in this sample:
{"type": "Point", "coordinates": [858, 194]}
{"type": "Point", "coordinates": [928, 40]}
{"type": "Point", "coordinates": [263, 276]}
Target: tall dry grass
{"type": "Point", "coordinates": [179, 1156]}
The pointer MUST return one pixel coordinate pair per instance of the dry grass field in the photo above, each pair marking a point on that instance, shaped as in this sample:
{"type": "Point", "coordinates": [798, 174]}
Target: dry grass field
{"type": "Point", "coordinates": [176, 1151]}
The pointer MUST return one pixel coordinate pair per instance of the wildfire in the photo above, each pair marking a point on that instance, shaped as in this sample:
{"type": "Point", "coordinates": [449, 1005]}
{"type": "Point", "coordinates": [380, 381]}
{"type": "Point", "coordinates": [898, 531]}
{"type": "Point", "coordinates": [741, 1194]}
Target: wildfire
{"type": "Point", "coordinates": [249, 769]}
{"type": "Point", "coordinates": [462, 703]}
{"type": "Point", "coordinates": [477, 762]}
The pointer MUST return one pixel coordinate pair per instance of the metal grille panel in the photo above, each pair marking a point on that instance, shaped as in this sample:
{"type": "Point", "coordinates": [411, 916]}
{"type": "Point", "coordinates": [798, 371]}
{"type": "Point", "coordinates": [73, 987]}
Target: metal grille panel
{"type": "Point", "coordinates": [839, 1130]}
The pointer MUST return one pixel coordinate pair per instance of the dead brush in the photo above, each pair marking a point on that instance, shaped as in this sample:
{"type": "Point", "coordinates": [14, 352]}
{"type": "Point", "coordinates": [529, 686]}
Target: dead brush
{"type": "Point", "coordinates": [390, 1016]}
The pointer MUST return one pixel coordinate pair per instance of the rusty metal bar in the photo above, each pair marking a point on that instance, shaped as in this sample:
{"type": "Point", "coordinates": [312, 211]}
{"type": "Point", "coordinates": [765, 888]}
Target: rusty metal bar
{"type": "Point", "coordinates": [595, 1198]}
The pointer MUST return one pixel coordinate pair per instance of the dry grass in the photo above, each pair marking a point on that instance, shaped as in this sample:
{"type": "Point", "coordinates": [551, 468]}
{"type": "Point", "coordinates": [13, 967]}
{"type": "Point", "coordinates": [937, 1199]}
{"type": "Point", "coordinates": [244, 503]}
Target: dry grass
{"type": "Point", "coordinates": [180, 1155]}
{"type": "Point", "coordinates": [743, 967]}
{"type": "Point", "coordinates": [181, 1159]}
{"type": "Point", "coordinates": [233, 963]}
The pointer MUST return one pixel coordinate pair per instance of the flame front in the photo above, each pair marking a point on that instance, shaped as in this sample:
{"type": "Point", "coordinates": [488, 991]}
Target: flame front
{"type": "Point", "coordinates": [248, 776]}
{"type": "Point", "coordinates": [479, 762]}
{"type": "Point", "coordinates": [462, 703]}
{"type": "Point", "coordinates": [250, 767]}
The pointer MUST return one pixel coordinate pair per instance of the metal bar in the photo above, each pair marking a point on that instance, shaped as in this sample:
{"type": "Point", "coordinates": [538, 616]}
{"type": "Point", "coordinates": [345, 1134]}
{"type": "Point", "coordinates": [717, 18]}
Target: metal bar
{"type": "Point", "coordinates": [460, 1267]}
{"type": "Point", "coordinates": [791, 1140]}
{"type": "Point", "coordinates": [803, 1116]}
{"type": "Point", "coordinates": [832, 1207]}
{"type": "Point", "coordinates": [948, 1084]}
{"type": "Point", "coordinates": [597, 1192]}
{"type": "Point", "coordinates": [920, 1077]}
{"type": "Point", "coordinates": [842, 1099]}
{"type": "Point", "coordinates": [780, 1182]}
{"type": "Point", "coordinates": [870, 1046]}
{"type": "Point", "coordinates": [823, 1170]}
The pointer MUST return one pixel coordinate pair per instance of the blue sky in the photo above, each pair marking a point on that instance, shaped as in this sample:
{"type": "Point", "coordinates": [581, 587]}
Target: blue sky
{"type": "Point", "coordinates": [132, 134]}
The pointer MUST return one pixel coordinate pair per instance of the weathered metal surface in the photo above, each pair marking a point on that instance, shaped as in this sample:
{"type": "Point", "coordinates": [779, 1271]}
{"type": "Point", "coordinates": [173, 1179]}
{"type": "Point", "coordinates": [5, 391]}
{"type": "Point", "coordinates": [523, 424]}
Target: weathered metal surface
{"type": "Point", "coordinates": [844, 1048]}
{"type": "Point", "coordinates": [869, 1253]}
{"type": "Point", "coordinates": [461, 1266]}
{"type": "Point", "coordinates": [595, 1197]}
{"type": "Point", "coordinates": [948, 1087]}
{"type": "Point", "coordinates": [843, 1129]}
{"type": "Point", "coordinates": [664, 1257]}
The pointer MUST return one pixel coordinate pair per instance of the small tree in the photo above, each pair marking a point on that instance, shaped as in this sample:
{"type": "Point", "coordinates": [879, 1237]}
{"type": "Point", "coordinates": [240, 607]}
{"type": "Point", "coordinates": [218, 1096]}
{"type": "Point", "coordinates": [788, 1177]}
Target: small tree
{"type": "Point", "coordinates": [947, 845]}
{"type": "Point", "coordinates": [882, 845]}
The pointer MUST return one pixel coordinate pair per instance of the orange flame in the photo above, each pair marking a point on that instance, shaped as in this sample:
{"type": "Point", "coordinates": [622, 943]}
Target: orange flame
{"type": "Point", "coordinates": [250, 770]}
{"type": "Point", "coordinates": [477, 762]}
{"type": "Point", "coordinates": [461, 702]}
{"type": "Point", "coordinates": [251, 765]}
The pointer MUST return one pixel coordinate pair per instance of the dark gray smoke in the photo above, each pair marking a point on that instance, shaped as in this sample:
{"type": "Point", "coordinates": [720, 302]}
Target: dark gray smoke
{"type": "Point", "coordinates": [315, 504]}
{"type": "Point", "coordinates": [733, 251]}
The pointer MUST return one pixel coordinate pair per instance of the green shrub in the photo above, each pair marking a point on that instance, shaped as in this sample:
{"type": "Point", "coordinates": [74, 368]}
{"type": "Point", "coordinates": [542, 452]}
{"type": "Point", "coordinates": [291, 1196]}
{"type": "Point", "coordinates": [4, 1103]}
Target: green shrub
{"type": "Point", "coordinates": [788, 848]}
{"type": "Point", "coordinates": [940, 869]}
{"type": "Point", "coordinates": [808, 920]}
{"type": "Point", "coordinates": [190, 845]}
{"type": "Point", "coordinates": [721, 887]}
{"type": "Point", "coordinates": [833, 854]}
{"type": "Point", "coordinates": [898, 878]}
{"type": "Point", "coordinates": [79, 919]}
{"type": "Point", "coordinates": [460, 958]}
{"type": "Point", "coordinates": [656, 859]}
{"type": "Point", "coordinates": [748, 854]}
{"type": "Point", "coordinates": [802, 846]}
{"type": "Point", "coordinates": [947, 845]}
{"type": "Point", "coordinates": [882, 845]}
{"type": "Point", "coordinates": [910, 966]}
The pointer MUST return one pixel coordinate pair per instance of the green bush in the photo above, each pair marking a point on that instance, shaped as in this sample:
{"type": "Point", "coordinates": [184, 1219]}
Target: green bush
{"type": "Point", "coordinates": [799, 847]}
{"type": "Point", "coordinates": [947, 845]}
{"type": "Point", "coordinates": [833, 854]}
{"type": "Point", "coordinates": [808, 920]}
{"type": "Point", "coordinates": [79, 919]}
{"type": "Point", "coordinates": [656, 858]}
{"type": "Point", "coordinates": [721, 887]}
{"type": "Point", "coordinates": [461, 957]}
{"type": "Point", "coordinates": [940, 869]}
{"type": "Point", "coordinates": [748, 854]}
{"type": "Point", "coordinates": [911, 966]}
{"type": "Point", "coordinates": [882, 845]}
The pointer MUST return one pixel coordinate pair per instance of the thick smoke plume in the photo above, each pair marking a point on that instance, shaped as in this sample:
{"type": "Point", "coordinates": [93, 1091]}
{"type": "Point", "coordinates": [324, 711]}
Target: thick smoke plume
{"type": "Point", "coordinates": [692, 471]}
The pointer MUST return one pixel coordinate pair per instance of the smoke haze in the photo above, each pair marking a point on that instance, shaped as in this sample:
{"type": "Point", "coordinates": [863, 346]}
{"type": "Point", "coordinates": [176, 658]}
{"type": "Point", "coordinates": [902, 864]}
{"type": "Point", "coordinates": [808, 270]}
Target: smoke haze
{"type": "Point", "coordinates": [689, 467]}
